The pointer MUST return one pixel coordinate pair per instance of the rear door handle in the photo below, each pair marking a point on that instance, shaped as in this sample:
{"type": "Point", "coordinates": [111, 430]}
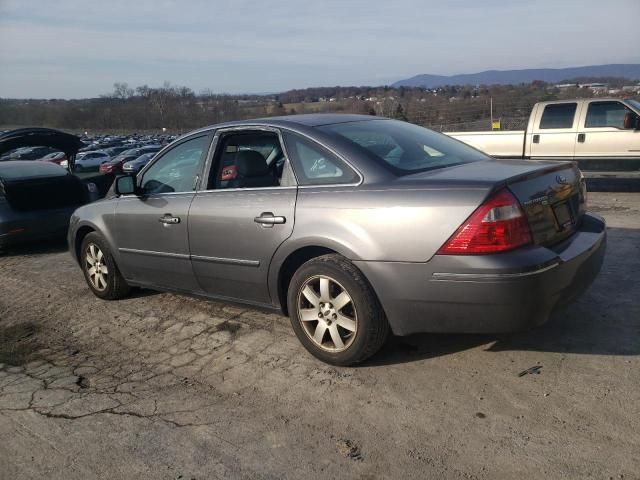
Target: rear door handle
{"type": "Point", "coordinates": [268, 220]}
{"type": "Point", "coordinates": [536, 138]}
{"type": "Point", "coordinates": [581, 137]}
{"type": "Point", "coordinates": [169, 219]}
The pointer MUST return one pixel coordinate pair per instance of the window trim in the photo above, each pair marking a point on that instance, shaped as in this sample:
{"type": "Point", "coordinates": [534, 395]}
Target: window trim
{"type": "Point", "coordinates": [576, 114]}
{"type": "Point", "coordinates": [586, 115]}
{"type": "Point", "coordinates": [169, 148]}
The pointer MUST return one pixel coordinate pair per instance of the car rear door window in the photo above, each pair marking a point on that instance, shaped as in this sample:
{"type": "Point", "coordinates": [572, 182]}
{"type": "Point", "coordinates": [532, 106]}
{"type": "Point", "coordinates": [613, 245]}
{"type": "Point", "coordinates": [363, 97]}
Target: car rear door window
{"type": "Point", "coordinates": [559, 115]}
{"type": "Point", "coordinates": [176, 170]}
{"type": "Point", "coordinates": [315, 165]}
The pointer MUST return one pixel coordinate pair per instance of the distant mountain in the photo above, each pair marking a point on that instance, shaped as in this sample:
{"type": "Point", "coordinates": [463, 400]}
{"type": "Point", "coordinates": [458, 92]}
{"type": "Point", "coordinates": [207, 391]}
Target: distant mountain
{"type": "Point", "coordinates": [508, 77]}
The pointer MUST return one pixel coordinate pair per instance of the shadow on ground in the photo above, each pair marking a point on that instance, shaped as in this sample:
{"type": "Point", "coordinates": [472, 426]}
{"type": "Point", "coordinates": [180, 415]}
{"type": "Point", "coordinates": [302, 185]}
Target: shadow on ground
{"type": "Point", "coordinates": [55, 245]}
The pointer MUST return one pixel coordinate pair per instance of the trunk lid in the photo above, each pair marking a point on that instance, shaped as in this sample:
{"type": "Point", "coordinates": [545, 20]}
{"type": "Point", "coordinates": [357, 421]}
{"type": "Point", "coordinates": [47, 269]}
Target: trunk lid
{"type": "Point", "coordinates": [554, 202]}
{"type": "Point", "coordinates": [552, 194]}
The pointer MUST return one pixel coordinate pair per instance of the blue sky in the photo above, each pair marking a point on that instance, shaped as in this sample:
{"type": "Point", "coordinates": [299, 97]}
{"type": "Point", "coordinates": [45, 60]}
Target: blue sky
{"type": "Point", "coordinates": [74, 49]}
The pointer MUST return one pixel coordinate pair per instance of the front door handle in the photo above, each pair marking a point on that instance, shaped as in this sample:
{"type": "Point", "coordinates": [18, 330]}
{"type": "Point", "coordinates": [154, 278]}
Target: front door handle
{"type": "Point", "coordinates": [267, 219]}
{"type": "Point", "coordinates": [169, 219]}
{"type": "Point", "coordinates": [581, 137]}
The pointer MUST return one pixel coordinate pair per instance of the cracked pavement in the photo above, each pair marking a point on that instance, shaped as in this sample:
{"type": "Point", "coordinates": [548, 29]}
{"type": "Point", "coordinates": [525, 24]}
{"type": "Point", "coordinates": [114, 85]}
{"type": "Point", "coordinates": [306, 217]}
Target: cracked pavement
{"type": "Point", "coordinates": [168, 386]}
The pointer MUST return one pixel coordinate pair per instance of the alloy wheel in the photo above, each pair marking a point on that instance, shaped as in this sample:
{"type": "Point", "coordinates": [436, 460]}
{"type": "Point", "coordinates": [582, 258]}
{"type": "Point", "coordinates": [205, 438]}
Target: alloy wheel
{"type": "Point", "coordinates": [327, 313]}
{"type": "Point", "coordinates": [96, 267]}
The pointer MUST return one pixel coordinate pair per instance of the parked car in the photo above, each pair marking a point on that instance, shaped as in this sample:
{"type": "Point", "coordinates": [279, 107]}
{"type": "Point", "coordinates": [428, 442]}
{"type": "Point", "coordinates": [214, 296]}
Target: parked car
{"type": "Point", "coordinates": [89, 161]}
{"type": "Point", "coordinates": [37, 200]}
{"type": "Point", "coordinates": [113, 151]}
{"type": "Point", "coordinates": [115, 165]}
{"type": "Point", "coordinates": [135, 165]}
{"type": "Point", "coordinates": [352, 225]}
{"type": "Point", "coordinates": [55, 157]}
{"type": "Point", "coordinates": [28, 153]}
{"type": "Point", "coordinates": [596, 132]}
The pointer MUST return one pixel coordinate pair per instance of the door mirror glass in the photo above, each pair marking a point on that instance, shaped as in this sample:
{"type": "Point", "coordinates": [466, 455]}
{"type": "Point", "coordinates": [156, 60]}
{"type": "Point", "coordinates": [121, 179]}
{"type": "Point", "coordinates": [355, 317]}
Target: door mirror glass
{"type": "Point", "coordinates": [125, 185]}
{"type": "Point", "coordinates": [631, 121]}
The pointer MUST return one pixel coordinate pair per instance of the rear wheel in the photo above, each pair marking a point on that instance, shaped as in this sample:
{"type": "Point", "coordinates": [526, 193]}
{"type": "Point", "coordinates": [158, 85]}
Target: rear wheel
{"type": "Point", "coordinates": [100, 270]}
{"type": "Point", "coordinates": [334, 311]}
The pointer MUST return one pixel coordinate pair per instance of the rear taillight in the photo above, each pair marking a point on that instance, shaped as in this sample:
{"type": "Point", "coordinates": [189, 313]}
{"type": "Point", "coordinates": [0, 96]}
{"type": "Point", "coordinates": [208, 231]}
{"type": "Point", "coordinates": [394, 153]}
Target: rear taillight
{"type": "Point", "coordinates": [498, 225]}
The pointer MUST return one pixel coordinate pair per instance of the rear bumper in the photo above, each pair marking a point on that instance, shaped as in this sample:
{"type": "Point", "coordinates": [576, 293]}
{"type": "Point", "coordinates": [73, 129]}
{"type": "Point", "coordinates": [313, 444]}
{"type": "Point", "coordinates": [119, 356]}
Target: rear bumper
{"type": "Point", "coordinates": [488, 293]}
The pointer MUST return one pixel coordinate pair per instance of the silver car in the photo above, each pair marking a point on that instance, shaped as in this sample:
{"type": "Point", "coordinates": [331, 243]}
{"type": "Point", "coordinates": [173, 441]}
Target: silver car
{"type": "Point", "coordinates": [353, 226]}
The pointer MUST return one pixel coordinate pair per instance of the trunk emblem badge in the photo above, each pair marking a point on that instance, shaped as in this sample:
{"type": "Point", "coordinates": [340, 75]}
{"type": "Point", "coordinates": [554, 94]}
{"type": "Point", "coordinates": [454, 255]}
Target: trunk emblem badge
{"type": "Point", "coordinates": [562, 180]}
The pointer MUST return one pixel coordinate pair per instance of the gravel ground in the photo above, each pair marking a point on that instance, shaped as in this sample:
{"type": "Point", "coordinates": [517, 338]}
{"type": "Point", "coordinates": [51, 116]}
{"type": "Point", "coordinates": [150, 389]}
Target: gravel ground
{"type": "Point", "coordinates": [165, 386]}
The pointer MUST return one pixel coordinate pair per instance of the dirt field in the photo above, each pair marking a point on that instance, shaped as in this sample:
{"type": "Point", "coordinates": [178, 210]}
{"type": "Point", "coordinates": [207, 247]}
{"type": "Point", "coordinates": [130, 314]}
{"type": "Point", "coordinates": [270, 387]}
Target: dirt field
{"type": "Point", "coordinates": [163, 386]}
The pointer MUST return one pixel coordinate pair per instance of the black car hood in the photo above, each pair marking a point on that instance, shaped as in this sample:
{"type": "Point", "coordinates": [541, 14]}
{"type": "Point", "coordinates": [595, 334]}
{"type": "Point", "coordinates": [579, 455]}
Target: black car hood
{"type": "Point", "coordinates": [41, 137]}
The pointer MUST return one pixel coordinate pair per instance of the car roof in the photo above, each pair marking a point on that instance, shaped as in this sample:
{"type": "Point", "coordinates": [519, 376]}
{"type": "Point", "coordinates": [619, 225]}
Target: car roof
{"type": "Point", "coordinates": [301, 120]}
{"type": "Point", "coordinates": [318, 119]}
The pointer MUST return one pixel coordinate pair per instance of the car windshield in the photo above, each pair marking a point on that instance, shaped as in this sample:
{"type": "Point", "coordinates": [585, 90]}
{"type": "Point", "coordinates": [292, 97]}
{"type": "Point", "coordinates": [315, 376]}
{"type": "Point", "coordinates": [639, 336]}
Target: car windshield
{"type": "Point", "coordinates": [403, 147]}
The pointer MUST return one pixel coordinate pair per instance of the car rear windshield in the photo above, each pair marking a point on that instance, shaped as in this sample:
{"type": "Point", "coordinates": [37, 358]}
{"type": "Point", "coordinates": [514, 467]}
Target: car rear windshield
{"type": "Point", "coordinates": [403, 147]}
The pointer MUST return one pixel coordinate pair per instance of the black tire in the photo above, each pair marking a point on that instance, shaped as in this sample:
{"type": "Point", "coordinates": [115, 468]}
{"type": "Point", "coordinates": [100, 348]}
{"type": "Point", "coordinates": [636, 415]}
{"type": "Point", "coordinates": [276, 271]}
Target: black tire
{"type": "Point", "coordinates": [372, 326]}
{"type": "Point", "coordinates": [115, 286]}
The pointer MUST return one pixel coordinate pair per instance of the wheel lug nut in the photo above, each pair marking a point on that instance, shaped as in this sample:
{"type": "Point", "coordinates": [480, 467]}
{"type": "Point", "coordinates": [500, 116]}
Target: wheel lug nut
{"type": "Point", "coordinates": [334, 316]}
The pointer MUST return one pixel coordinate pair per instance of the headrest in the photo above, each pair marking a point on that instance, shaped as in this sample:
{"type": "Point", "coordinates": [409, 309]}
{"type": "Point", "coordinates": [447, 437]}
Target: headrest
{"type": "Point", "coordinates": [250, 163]}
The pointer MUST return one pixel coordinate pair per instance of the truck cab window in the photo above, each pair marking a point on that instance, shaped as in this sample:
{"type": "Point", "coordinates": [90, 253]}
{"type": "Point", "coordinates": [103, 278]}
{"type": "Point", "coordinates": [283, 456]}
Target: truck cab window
{"type": "Point", "coordinates": [606, 114]}
{"type": "Point", "coordinates": [558, 115]}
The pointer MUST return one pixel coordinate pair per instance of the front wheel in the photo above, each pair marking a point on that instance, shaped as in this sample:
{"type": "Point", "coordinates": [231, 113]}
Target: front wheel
{"type": "Point", "coordinates": [334, 311]}
{"type": "Point", "coordinates": [100, 269]}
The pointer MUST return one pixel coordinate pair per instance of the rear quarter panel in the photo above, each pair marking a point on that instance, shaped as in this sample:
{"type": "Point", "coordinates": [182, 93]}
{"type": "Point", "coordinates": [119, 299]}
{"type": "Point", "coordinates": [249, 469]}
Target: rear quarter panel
{"type": "Point", "coordinates": [383, 223]}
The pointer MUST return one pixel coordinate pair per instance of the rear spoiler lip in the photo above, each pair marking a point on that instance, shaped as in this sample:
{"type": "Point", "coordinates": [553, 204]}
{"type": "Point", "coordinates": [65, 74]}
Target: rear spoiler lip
{"type": "Point", "coordinates": [552, 167]}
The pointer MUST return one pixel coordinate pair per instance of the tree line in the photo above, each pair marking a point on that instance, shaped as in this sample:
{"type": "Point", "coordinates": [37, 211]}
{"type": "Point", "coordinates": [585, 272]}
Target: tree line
{"type": "Point", "coordinates": [179, 108]}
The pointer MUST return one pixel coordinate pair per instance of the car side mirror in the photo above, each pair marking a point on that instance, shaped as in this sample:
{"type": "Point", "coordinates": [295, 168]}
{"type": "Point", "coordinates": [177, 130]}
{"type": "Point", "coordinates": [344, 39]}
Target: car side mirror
{"type": "Point", "coordinates": [631, 121]}
{"type": "Point", "coordinates": [126, 185]}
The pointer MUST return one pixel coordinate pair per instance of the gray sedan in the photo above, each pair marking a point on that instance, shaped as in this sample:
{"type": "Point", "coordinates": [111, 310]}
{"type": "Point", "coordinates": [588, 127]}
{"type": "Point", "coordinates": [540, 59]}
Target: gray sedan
{"type": "Point", "coordinates": [353, 226]}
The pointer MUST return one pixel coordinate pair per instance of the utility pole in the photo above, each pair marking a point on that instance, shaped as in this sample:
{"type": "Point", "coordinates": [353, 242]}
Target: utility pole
{"type": "Point", "coordinates": [491, 110]}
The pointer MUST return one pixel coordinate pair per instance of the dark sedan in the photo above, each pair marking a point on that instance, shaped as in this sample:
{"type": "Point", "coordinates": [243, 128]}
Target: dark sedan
{"type": "Point", "coordinates": [352, 225]}
{"type": "Point", "coordinates": [37, 200]}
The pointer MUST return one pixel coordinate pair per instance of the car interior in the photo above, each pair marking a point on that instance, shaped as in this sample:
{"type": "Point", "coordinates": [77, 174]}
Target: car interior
{"type": "Point", "coordinates": [248, 160]}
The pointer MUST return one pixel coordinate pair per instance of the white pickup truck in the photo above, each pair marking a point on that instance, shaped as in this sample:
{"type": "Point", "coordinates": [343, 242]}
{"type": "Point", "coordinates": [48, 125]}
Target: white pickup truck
{"type": "Point", "coordinates": [601, 134]}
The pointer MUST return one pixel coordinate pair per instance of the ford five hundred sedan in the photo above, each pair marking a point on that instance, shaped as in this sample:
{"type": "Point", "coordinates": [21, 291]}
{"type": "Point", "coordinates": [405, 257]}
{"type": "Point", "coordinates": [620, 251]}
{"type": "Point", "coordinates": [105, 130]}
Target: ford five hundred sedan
{"type": "Point", "coordinates": [353, 226]}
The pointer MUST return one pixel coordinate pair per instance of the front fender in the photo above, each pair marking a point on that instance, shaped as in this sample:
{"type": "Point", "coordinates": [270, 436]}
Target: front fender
{"type": "Point", "coordinates": [98, 216]}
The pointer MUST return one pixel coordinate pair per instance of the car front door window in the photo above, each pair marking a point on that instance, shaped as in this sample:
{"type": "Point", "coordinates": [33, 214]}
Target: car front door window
{"type": "Point", "coordinates": [606, 114]}
{"type": "Point", "coordinates": [176, 171]}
